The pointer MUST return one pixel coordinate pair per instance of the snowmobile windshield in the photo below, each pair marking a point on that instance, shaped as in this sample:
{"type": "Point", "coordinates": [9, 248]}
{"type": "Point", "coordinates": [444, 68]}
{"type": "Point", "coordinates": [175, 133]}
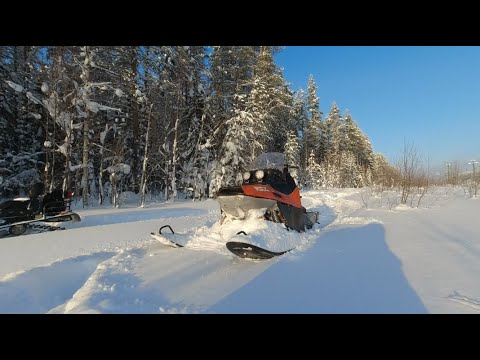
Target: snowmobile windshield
{"type": "Point", "coordinates": [273, 160]}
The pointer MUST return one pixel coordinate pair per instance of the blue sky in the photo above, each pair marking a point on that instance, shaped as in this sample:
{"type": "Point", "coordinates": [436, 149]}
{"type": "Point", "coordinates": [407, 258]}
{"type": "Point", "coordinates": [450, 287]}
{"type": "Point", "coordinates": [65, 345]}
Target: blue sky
{"type": "Point", "coordinates": [427, 95]}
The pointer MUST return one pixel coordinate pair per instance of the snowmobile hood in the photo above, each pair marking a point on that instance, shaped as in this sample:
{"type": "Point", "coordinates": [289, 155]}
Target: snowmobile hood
{"type": "Point", "coordinates": [267, 192]}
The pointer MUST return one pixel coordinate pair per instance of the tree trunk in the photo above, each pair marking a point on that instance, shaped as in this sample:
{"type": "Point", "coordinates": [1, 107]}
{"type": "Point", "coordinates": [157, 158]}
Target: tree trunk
{"type": "Point", "coordinates": [66, 176]}
{"type": "Point", "coordinates": [174, 151]}
{"type": "Point", "coordinates": [113, 181]}
{"type": "Point", "coordinates": [143, 182]}
{"type": "Point", "coordinates": [166, 180]}
{"type": "Point", "coordinates": [86, 128]}
{"type": "Point", "coordinates": [100, 177]}
{"type": "Point", "coordinates": [135, 119]}
{"type": "Point", "coordinates": [86, 146]}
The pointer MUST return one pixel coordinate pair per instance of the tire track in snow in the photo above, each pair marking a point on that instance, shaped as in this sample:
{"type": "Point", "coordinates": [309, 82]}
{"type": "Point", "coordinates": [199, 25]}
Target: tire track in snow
{"type": "Point", "coordinates": [336, 207]}
{"type": "Point", "coordinates": [159, 279]}
{"type": "Point", "coordinates": [40, 289]}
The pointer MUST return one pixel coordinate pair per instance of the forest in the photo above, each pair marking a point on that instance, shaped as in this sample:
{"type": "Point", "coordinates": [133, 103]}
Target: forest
{"type": "Point", "coordinates": [166, 121]}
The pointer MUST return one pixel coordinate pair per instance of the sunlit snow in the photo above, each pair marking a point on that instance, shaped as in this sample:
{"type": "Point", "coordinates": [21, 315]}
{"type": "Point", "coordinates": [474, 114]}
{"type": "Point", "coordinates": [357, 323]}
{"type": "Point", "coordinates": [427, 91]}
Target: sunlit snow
{"type": "Point", "coordinates": [364, 257]}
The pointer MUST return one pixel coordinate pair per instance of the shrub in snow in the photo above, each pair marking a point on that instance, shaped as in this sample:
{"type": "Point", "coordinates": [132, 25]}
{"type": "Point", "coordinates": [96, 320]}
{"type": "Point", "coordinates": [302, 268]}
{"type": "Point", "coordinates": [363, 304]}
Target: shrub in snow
{"type": "Point", "coordinates": [128, 197]}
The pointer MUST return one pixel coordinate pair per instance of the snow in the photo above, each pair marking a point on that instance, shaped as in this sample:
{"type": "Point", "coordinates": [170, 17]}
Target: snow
{"type": "Point", "coordinates": [103, 134]}
{"type": "Point", "coordinates": [44, 87]}
{"type": "Point", "coordinates": [123, 168]}
{"type": "Point", "coordinates": [14, 86]}
{"type": "Point", "coordinates": [363, 257]}
{"type": "Point", "coordinates": [63, 149]}
{"type": "Point", "coordinates": [92, 105]}
{"type": "Point", "coordinates": [33, 98]}
{"type": "Point", "coordinates": [96, 107]}
{"type": "Point", "coordinates": [75, 167]}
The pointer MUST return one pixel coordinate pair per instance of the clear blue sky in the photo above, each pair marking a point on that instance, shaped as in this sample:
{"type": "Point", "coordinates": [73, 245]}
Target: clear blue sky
{"type": "Point", "coordinates": [426, 95]}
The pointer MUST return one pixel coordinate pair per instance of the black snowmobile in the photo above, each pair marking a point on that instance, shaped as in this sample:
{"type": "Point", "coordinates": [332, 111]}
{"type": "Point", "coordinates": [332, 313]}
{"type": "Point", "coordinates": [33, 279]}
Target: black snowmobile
{"type": "Point", "coordinates": [35, 210]}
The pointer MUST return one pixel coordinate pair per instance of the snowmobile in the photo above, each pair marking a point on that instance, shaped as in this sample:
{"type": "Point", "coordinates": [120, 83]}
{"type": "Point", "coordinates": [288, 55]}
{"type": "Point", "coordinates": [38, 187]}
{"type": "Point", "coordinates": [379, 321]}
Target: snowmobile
{"type": "Point", "coordinates": [267, 185]}
{"type": "Point", "coordinates": [35, 211]}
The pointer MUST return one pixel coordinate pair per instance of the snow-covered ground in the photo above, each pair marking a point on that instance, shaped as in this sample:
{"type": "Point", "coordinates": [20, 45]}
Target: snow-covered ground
{"type": "Point", "coordinates": [368, 255]}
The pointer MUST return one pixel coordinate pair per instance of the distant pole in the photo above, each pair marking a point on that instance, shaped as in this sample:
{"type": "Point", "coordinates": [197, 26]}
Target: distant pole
{"type": "Point", "coordinates": [448, 172]}
{"type": "Point", "coordinates": [473, 162]}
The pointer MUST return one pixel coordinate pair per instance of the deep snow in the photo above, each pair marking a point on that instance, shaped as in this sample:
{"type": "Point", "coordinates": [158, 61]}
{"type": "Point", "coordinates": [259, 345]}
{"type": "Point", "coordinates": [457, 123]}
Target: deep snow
{"type": "Point", "coordinates": [366, 256]}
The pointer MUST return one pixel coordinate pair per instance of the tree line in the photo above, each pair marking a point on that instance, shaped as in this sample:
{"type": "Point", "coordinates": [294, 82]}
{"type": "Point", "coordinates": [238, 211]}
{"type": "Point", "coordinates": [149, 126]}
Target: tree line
{"type": "Point", "coordinates": [162, 120]}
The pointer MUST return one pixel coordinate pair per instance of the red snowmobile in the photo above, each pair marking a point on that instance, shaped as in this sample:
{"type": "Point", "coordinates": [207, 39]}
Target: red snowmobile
{"type": "Point", "coordinates": [268, 184]}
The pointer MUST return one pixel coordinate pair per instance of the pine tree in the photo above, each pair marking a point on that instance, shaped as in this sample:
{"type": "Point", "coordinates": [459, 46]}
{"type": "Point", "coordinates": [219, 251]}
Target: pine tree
{"type": "Point", "coordinates": [358, 144]}
{"type": "Point", "coordinates": [382, 173]}
{"type": "Point", "coordinates": [20, 149]}
{"type": "Point", "coordinates": [313, 100]}
{"type": "Point", "coordinates": [292, 154]}
{"type": "Point", "coordinates": [333, 124]}
{"type": "Point", "coordinates": [350, 174]}
{"type": "Point", "coordinates": [234, 154]}
{"type": "Point", "coordinates": [231, 73]}
{"type": "Point", "coordinates": [271, 103]}
{"type": "Point", "coordinates": [299, 112]}
{"type": "Point", "coordinates": [314, 131]}
{"type": "Point", "coordinates": [89, 88]}
{"type": "Point", "coordinates": [162, 119]}
{"type": "Point", "coordinates": [315, 174]}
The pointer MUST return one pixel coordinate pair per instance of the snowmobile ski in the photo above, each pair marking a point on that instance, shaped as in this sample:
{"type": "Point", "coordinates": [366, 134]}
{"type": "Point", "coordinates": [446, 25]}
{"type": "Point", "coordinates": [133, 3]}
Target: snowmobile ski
{"type": "Point", "coordinates": [249, 251]}
{"type": "Point", "coordinates": [39, 224]}
{"type": "Point", "coordinates": [164, 238]}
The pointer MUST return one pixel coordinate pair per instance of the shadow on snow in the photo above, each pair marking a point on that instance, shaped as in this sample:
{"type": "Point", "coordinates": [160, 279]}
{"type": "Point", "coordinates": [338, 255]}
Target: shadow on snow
{"type": "Point", "coordinates": [350, 270]}
{"type": "Point", "coordinates": [134, 216]}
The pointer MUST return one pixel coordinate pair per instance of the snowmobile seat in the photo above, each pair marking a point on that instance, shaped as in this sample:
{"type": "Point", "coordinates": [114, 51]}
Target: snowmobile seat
{"type": "Point", "coordinates": [53, 203]}
{"type": "Point", "coordinates": [34, 205]}
{"type": "Point", "coordinates": [14, 210]}
{"type": "Point", "coordinates": [36, 190]}
{"type": "Point", "coordinates": [279, 182]}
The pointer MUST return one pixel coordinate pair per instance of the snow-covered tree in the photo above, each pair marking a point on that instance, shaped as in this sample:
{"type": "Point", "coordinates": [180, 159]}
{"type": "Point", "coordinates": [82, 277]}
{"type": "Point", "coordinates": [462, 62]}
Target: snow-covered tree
{"type": "Point", "coordinates": [313, 100]}
{"type": "Point", "coordinates": [314, 173]}
{"type": "Point", "coordinates": [271, 103]}
{"type": "Point", "coordinates": [357, 143]}
{"type": "Point", "coordinates": [20, 147]}
{"type": "Point", "coordinates": [292, 149]}
{"type": "Point", "coordinates": [231, 73]}
{"type": "Point", "coordinates": [332, 133]}
{"type": "Point", "coordinates": [163, 119]}
{"type": "Point", "coordinates": [350, 174]}
{"type": "Point", "coordinates": [234, 155]}
{"type": "Point", "coordinates": [292, 154]}
{"type": "Point", "coordinates": [383, 175]}
{"type": "Point", "coordinates": [314, 131]}
{"type": "Point", "coordinates": [299, 112]}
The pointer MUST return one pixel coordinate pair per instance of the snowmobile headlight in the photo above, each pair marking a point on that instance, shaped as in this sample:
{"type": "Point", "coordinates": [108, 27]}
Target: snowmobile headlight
{"type": "Point", "coordinates": [246, 175]}
{"type": "Point", "coordinates": [259, 174]}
